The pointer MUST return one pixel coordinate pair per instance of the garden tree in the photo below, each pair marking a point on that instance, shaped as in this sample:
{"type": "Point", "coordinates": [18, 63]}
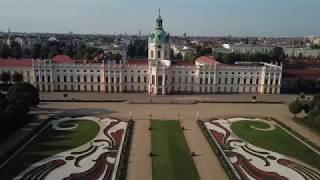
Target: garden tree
{"type": "Point", "coordinates": [131, 51]}
{"type": "Point", "coordinates": [14, 110]}
{"type": "Point", "coordinates": [117, 57]}
{"type": "Point", "coordinates": [24, 91]}
{"type": "Point", "coordinates": [178, 56]}
{"type": "Point", "coordinates": [277, 54]}
{"type": "Point", "coordinates": [44, 52]}
{"type": "Point", "coordinates": [16, 51]}
{"type": "Point", "coordinates": [171, 54]}
{"type": "Point", "coordinates": [314, 116]}
{"type": "Point", "coordinates": [3, 102]}
{"type": "Point", "coordinates": [5, 51]}
{"type": "Point", "coordinates": [138, 49]}
{"type": "Point", "coordinates": [5, 77]}
{"type": "Point", "coordinates": [36, 51]}
{"type": "Point", "coordinates": [26, 52]}
{"type": "Point", "coordinates": [17, 77]}
{"type": "Point", "coordinates": [54, 50]}
{"type": "Point", "coordinates": [295, 107]}
{"type": "Point", "coordinates": [204, 51]}
{"type": "Point", "coordinates": [315, 100]}
{"type": "Point", "coordinates": [190, 56]}
{"type": "Point", "coordinates": [69, 51]}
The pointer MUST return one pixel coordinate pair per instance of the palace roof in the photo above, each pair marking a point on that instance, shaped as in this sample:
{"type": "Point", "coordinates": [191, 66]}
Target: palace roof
{"type": "Point", "coordinates": [61, 59]}
{"type": "Point", "coordinates": [12, 62]}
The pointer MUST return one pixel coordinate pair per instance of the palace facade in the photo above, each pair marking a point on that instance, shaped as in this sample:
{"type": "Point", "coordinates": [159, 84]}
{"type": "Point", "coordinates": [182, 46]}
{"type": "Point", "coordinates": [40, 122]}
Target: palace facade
{"type": "Point", "coordinates": [155, 75]}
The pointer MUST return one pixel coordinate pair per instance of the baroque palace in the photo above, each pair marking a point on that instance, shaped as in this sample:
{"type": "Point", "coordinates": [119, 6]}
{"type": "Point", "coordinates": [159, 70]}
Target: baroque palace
{"type": "Point", "coordinates": [155, 75]}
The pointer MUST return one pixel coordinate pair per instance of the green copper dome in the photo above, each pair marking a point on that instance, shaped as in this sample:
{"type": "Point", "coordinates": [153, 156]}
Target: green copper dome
{"type": "Point", "coordinates": [159, 35]}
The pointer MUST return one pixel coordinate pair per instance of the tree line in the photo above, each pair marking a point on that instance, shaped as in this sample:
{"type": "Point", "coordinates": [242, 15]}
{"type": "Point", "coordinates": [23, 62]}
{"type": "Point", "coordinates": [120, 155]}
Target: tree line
{"type": "Point", "coordinates": [49, 50]}
{"type": "Point", "coordinates": [276, 55]}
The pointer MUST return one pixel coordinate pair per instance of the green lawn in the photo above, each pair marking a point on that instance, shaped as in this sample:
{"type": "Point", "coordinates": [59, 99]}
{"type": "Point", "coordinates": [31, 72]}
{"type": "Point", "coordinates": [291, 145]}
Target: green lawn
{"type": "Point", "coordinates": [172, 160]}
{"type": "Point", "coordinates": [50, 142]}
{"type": "Point", "coordinates": [276, 140]}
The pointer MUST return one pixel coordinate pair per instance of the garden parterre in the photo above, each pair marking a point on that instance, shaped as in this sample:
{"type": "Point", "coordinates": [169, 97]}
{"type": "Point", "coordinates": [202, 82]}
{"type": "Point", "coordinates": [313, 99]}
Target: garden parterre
{"type": "Point", "coordinates": [257, 148]}
{"type": "Point", "coordinates": [71, 157]}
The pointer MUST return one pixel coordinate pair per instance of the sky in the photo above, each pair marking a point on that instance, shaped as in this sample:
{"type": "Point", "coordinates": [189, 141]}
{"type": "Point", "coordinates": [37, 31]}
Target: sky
{"type": "Point", "coordinates": [195, 17]}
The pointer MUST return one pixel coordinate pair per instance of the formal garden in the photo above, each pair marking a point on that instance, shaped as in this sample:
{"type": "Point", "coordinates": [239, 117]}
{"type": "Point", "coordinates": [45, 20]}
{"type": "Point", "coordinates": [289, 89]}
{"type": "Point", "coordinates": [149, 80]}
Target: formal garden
{"type": "Point", "coordinates": [171, 158]}
{"type": "Point", "coordinates": [261, 148]}
{"type": "Point", "coordinates": [72, 148]}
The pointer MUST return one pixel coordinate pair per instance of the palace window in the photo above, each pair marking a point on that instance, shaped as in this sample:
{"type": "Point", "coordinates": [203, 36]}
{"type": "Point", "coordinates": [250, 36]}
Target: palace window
{"type": "Point", "coordinates": [159, 54]}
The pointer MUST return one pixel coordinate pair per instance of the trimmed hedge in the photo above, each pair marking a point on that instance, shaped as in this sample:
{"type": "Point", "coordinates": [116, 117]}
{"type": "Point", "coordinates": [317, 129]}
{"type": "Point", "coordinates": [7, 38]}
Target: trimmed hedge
{"type": "Point", "coordinates": [223, 161]}
{"type": "Point", "coordinates": [124, 158]}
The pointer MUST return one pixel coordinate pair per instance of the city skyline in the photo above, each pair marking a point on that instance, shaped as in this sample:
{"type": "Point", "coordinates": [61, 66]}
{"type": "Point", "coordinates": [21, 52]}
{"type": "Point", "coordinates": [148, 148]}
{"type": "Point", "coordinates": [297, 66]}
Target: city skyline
{"type": "Point", "coordinates": [205, 18]}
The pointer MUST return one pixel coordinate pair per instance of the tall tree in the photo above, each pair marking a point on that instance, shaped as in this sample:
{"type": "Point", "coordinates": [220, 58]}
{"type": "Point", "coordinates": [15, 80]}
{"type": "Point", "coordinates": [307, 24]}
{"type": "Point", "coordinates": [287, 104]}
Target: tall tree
{"type": "Point", "coordinates": [16, 51]}
{"type": "Point", "coordinates": [5, 77]}
{"type": "Point", "coordinates": [35, 51]}
{"type": "Point", "coordinates": [17, 77]}
{"type": "Point", "coordinates": [28, 92]}
{"type": "Point", "coordinates": [5, 51]}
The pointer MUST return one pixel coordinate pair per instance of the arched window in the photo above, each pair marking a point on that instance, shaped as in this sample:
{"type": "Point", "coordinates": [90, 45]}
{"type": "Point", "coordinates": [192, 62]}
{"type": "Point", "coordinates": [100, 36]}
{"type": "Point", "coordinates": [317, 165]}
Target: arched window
{"type": "Point", "coordinates": [159, 54]}
{"type": "Point", "coordinates": [151, 54]}
{"type": "Point", "coordinates": [153, 79]}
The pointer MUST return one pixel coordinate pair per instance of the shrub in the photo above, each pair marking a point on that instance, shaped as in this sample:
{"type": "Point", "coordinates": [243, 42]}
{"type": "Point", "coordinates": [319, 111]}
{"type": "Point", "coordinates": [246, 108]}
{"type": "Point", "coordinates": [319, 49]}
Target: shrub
{"type": "Point", "coordinates": [26, 91]}
{"type": "Point", "coordinates": [295, 107]}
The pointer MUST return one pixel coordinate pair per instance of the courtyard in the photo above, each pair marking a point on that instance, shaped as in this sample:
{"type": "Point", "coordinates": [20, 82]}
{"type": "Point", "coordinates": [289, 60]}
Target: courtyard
{"type": "Point", "coordinates": [140, 165]}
